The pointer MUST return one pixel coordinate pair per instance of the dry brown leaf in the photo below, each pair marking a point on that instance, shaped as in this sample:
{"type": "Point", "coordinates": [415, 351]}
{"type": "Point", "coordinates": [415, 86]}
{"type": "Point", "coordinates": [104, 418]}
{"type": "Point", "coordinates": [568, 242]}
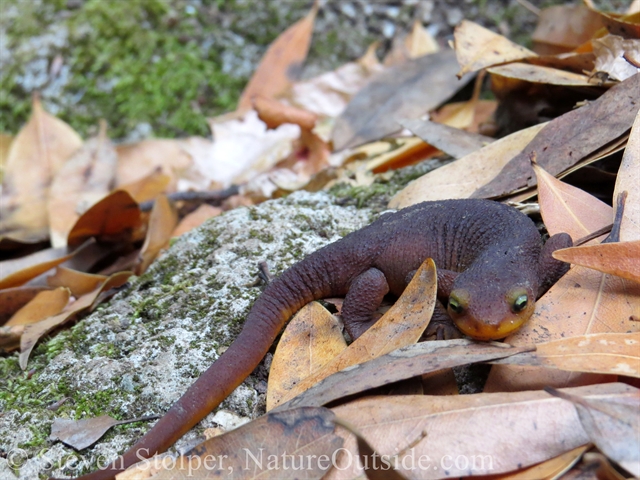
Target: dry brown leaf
{"type": "Point", "coordinates": [149, 187]}
{"type": "Point", "coordinates": [374, 466]}
{"type": "Point", "coordinates": [619, 58]}
{"type": "Point", "coordinates": [282, 62]}
{"type": "Point", "coordinates": [402, 325]}
{"type": "Point", "coordinates": [20, 271]}
{"type": "Point", "coordinates": [452, 141]}
{"type": "Point", "coordinates": [43, 305]}
{"type": "Point", "coordinates": [196, 218]}
{"type": "Point", "coordinates": [551, 469]}
{"type": "Point", "coordinates": [139, 160]}
{"type": "Point", "coordinates": [562, 28]}
{"type": "Point", "coordinates": [36, 154]}
{"type": "Point", "coordinates": [584, 301]}
{"type": "Point", "coordinates": [406, 91]}
{"type": "Point", "coordinates": [404, 363]}
{"type": "Point", "coordinates": [13, 299]}
{"type": "Point", "coordinates": [628, 181]}
{"type": "Point", "coordinates": [162, 222]}
{"type": "Point", "coordinates": [264, 448]}
{"type": "Point", "coordinates": [569, 138]}
{"type": "Point", "coordinates": [559, 200]}
{"type": "Point", "coordinates": [32, 333]}
{"type": "Point", "coordinates": [525, 428]}
{"type": "Point", "coordinates": [482, 114]}
{"type": "Point", "coordinates": [275, 113]}
{"type": "Point", "coordinates": [464, 176]}
{"type": "Point", "coordinates": [541, 74]}
{"type": "Point", "coordinates": [607, 353]}
{"type": "Point", "coordinates": [113, 218]}
{"type": "Point", "coordinates": [329, 93]}
{"type": "Point", "coordinates": [80, 283]}
{"type": "Point", "coordinates": [620, 258]}
{"type": "Point", "coordinates": [477, 48]}
{"type": "Point", "coordinates": [82, 181]}
{"type": "Point", "coordinates": [312, 338]}
{"type": "Point", "coordinates": [627, 26]}
{"type": "Point", "coordinates": [80, 434]}
{"type": "Point", "coordinates": [613, 426]}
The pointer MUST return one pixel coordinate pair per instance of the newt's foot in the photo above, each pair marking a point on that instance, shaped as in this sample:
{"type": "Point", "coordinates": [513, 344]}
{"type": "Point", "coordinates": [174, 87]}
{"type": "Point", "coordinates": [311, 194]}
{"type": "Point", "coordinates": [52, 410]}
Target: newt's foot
{"type": "Point", "coordinates": [441, 326]}
{"type": "Point", "coordinates": [442, 331]}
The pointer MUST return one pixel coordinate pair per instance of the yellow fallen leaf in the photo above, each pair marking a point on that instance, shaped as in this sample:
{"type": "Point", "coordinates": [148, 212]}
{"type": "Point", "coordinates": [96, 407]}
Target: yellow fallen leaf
{"type": "Point", "coordinates": [312, 339]}
{"type": "Point", "coordinates": [402, 325]}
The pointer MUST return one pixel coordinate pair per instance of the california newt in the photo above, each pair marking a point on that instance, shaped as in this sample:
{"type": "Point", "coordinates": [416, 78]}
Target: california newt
{"type": "Point", "coordinates": [491, 264]}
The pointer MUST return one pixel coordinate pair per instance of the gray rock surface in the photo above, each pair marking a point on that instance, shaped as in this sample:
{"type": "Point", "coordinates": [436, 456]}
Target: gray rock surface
{"type": "Point", "coordinates": [137, 354]}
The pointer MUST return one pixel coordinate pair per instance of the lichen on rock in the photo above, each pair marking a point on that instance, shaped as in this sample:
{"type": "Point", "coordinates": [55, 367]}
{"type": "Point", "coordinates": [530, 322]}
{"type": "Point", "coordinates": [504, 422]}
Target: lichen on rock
{"type": "Point", "coordinates": [138, 354]}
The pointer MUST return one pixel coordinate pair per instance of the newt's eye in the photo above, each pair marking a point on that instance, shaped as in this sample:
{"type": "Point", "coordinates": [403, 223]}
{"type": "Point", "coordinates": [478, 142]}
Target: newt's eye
{"type": "Point", "coordinates": [520, 303]}
{"type": "Point", "coordinates": [455, 305]}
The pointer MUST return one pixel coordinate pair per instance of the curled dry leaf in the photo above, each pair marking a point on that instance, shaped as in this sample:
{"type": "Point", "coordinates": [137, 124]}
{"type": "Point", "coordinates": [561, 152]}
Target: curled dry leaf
{"type": "Point", "coordinates": [43, 305]}
{"type": "Point", "coordinates": [401, 364]}
{"type": "Point", "coordinates": [541, 74]}
{"type": "Point", "coordinates": [406, 91]}
{"type": "Point", "coordinates": [620, 258]}
{"type": "Point", "coordinates": [82, 181]}
{"type": "Point", "coordinates": [612, 424]}
{"type": "Point", "coordinates": [264, 448]}
{"type": "Point", "coordinates": [619, 58]}
{"type": "Point", "coordinates": [162, 222]}
{"type": "Point", "coordinates": [5, 145]}
{"type": "Point", "coordinates": [627, 26]}
{"type": "Point", "coordinates": [562, 28]}
{"type": "Point", "coordinates": [196, 218]}
{"type": "Point", "coordinates": [79, 283]}
{"type": "Point", "coordinates": [606, 353]}
{"type": "Point", "coordinates": [20, 271]}
{"type": "Point", "coordinates": [477, 48]}
{"type": "Point", "coordinates": [402, 325]}
{"type": "Point", "coordinates": [464, 176]}
{"type": "Point", "coordinates": [569, 138]}
{"type": "Point", "coordinates": [282, 62]}
{"type": "Point", "coordinates": [274, 113]}
{"type": "Point", "coordinates": [36, 154]}
{"type": "Point", "coordinates": [427, 429]}
{"type": "Point", "coordinates": [312, 338]}
{"type": "Point", "coordinates": [114, 218]}
{"type": "Point", "coordinates": [33, 333]}
{"type": "Point", "coordinates": [13, 299]}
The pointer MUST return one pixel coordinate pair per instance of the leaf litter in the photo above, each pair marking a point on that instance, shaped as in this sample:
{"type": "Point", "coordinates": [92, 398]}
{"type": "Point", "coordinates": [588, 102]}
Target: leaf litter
{"type": "Point", "coordinates": [347, 126]}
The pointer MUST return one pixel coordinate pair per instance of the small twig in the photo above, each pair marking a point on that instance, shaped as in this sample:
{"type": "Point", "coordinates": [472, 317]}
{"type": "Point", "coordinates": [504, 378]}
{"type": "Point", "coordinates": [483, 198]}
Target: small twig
{"type": "Point", "coordinates": [591, 236]}
{"type": "Point", "coordinates": [202, 197]}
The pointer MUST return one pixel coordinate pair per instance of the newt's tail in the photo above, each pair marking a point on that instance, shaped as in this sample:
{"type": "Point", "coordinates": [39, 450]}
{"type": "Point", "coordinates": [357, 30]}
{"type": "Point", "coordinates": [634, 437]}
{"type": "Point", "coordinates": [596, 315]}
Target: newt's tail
{"type": "Point", "coordinates": [279, 301]}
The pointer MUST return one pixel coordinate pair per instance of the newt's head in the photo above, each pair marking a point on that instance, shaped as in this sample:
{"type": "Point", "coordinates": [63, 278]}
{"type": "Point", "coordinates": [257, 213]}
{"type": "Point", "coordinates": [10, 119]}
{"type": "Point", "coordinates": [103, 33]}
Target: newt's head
{"type": "Point", "coordinates": [491, 308]}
